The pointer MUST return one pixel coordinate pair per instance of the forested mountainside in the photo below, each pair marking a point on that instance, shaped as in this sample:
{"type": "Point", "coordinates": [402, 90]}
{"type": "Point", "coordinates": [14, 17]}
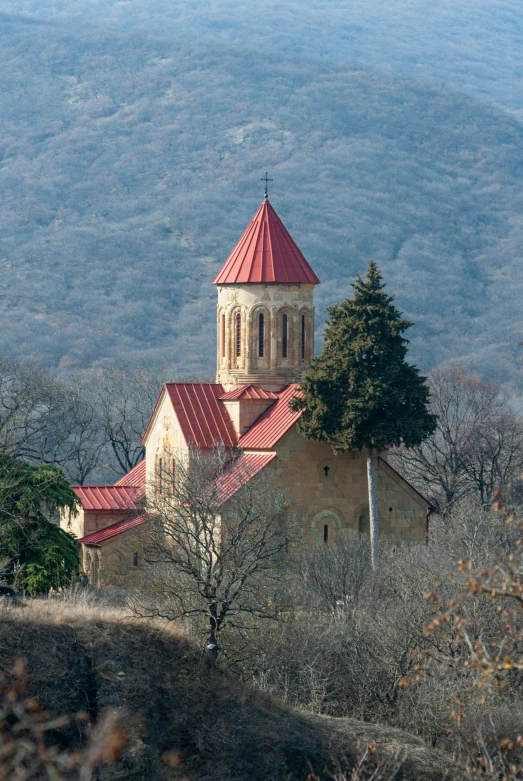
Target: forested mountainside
{"type": "Point", "coordinates": [131, 152]}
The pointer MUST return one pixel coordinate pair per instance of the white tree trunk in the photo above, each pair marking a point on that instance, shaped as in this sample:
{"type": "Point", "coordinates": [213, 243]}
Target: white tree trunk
{"type": "Point", "coordinates": [374, 522]}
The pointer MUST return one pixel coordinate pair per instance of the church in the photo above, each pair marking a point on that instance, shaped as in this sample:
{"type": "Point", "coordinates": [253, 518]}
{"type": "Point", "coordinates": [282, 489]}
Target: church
{"type": "Point", "coordinates": [265, 340]}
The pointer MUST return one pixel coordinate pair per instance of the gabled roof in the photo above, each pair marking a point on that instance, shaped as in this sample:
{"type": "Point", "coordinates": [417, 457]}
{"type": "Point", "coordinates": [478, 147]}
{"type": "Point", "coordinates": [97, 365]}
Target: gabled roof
{"type": "Point", "coordinates": [136, 477]}
{"type": "Point", "coordinates": [266, 253]}
{"type": "Point", "coordinates": [240, 472]}
{"type": "Point", "coordinates": [203, 420]}
{"type": "Point", "coordinates": [108, 497]}
{"type": "Point", "coordinates": [273, 424]}
{"type": "Point", "coordinates": [247, 392]}
{"type": "Point", "coordinates": [95, 538]}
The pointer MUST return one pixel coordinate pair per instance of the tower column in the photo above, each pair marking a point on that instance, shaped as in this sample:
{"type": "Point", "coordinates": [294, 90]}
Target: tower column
{"type": "Point", "coordinates": [265, 307]}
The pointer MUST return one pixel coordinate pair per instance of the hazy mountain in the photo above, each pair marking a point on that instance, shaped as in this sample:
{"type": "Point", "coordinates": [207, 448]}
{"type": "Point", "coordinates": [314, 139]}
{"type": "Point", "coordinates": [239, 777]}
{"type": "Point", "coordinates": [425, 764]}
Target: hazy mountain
{"type": "Point", "coordinates": [130, 160]}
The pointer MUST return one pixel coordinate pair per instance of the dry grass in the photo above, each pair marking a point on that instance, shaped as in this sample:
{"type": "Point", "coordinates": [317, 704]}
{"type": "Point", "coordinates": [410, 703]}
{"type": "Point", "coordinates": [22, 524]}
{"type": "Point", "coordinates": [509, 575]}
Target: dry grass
{"type": "Point", "coordinates": [184, 718]}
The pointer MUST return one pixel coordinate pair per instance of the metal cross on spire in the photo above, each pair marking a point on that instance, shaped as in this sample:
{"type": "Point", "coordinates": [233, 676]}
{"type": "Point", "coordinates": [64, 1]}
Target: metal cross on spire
{"type": "Point", "coordinates": [266, 180]}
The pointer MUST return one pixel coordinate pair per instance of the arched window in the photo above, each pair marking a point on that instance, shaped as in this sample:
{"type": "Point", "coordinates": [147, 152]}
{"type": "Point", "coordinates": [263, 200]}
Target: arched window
{"type": "Point", "coordinates": [261, 334]}
{"type": "Point", "coordinates": [363, 521]}
{"type": "Point", "coordinates": [284, 335]}
{"type": "Point", "coordinates": [223, 336]}
{"type": "Point", "coordinates": [303, 337]}
{"type": "Point", "coordinates": [160, 475]}
{"type": "Point", "coordinates": [326, 533]}
{"type": "Point", "coordinates": [238, 335]}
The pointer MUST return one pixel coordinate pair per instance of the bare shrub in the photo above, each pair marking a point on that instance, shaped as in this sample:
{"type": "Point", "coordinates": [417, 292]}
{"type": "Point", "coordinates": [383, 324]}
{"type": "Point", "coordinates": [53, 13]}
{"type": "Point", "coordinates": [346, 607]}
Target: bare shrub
{"type": "Point", "coordinates": [333, 575]}
{"type": "Point", "coordinates": [210, 558]}
{"type": "Point", "coordinates": [30, 737]}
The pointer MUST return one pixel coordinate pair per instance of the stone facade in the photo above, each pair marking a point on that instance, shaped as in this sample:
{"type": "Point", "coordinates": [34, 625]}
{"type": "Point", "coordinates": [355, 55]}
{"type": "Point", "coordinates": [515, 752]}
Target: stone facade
{"type": "Point", "coordinates": [164, 440]}
{"type": "Point", "coordinates": [269, 351]}
{"type": "Point", "coordinates": [88, 521]}
{"type": "Point", "coordinates": [265, 338]}
{"type": "Point", "coordinates": [332, 491]}
{"type": "Point", "coordinates": [115, 562]}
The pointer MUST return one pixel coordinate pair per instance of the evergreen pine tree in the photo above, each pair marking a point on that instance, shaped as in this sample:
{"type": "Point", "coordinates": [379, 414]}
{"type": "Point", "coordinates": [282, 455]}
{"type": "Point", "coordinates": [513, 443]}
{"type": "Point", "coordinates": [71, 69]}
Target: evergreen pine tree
{"type": "Point", "coordinates": [361, 393]}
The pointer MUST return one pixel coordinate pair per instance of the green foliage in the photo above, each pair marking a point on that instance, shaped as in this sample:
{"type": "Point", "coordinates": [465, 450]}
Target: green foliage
{"type": "Point", "coordinates": [51, 562]}
{"type": "Point", "coordinates": [41, 555]}
{"type": "Point", "coordinates": [361, 392]}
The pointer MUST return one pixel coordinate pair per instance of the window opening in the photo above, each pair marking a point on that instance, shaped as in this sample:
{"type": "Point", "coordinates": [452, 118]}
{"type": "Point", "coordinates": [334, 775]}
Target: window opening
{"type": "Point", "coordinates": [261, 335]}
{"type": "Point", "coordinates": [326, 533]}
{"type": "Point", "coordinates": [363, 522]}
{"type": "Point", "coordinates": [326, 469]}
{"type": "Point", "coordinates": [284, 329]}
{"type": "Point", "coordinates": [223, 336]}
{"type": "Point", "coordinates": [135, 560]}
{"type": "Point", "coordinates": [238, 335]}
{"type": "Point", "coordinates": [174, 476]}
{"type": "Point", "coordinates": [303, 337]}
{"type": "Point", "coordinates": [160, 475]}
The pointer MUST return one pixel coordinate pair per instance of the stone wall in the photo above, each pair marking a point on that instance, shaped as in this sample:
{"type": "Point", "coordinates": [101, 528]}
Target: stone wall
{"type": "Point", "coordinates": [333, 491]}
{"type": "Point", "coordinates": [164, 440]}
{"type": "Point", "coordinates": [273, 370]}
{"type": "Point", "coordinates": [116, 562]}
{"type": "Point", "coordinates": [88, 521]}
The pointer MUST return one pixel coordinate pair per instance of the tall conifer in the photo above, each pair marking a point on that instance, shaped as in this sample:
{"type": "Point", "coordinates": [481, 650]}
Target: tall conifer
{"type": "Point", "coordinates": [361, 393]}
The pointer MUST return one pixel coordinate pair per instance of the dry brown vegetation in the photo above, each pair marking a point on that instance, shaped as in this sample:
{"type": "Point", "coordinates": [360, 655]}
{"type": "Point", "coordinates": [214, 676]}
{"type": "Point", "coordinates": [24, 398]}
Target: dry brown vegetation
{"type": "Point", "coordinates": [183, 718]}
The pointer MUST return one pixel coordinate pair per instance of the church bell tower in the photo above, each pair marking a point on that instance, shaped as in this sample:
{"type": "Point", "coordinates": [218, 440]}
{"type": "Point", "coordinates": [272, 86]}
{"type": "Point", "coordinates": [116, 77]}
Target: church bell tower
{"type": "Point", "coordinates": [265, 307]}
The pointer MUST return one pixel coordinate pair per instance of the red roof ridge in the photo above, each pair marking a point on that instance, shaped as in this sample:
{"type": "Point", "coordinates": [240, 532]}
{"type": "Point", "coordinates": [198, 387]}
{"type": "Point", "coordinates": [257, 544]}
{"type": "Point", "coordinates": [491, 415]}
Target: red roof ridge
{"type": "Point", "coordinates": [203, 421]}
{"type": "Point", "coordinates": [248, 392]}
{"type": "Point", "coordinates": [266, 252]}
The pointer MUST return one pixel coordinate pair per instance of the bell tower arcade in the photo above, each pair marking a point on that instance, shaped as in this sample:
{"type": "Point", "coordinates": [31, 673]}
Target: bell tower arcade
{"type": "Point", "coordinates": [265, 313]}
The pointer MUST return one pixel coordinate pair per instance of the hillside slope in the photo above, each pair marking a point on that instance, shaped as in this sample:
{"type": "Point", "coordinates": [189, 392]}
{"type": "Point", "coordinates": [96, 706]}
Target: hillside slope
{"type": "Point", "coordinates": [171, 702]}
{"type": "Point", "coordinates": [129, 166]}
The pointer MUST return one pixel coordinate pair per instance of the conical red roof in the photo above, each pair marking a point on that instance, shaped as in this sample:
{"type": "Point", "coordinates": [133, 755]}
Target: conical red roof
{"type": "Point", "coordinates": [265, 253]}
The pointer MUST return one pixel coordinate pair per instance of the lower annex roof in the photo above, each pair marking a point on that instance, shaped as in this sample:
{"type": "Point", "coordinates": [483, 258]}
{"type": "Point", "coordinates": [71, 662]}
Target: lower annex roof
{"type": "Point", "coordinates": [108, 497]}
{"type": "Point", "coordinates": [95, 538]}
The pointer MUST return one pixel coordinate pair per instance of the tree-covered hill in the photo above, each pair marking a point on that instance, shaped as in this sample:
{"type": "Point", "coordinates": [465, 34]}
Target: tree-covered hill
{"type": "Point", "coordinates": [129, 166]}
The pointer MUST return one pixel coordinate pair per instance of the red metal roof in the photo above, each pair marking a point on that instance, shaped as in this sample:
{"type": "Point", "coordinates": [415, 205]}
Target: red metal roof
{"type": "Point", "coordinates": [240, 472]}
{"type": "Point", "coordinates": [266, 253]}
{"type": "Point", "coordinates": [135, 477]}
{"type": "Point", "coordinates": [203, 420]}
{"type": "Point", "coordinates": [95, 538]}
{"type": "Point", "coordinates": [108, 497]}
{"type": "Point", "coordinates": [273, 424]}
{"type": "Point", "coordinates": [248, 392]}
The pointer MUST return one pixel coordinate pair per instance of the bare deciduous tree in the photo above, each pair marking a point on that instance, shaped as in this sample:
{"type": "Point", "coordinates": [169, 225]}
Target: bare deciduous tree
{"type": "Point", "coordinates": [126, 398]}
{"type": "Point", "coordinates": [49, 419]}
{"type": "Point", "coordinates": [208, 559]}
{"type": "Point", "coordinates": [476, 448]}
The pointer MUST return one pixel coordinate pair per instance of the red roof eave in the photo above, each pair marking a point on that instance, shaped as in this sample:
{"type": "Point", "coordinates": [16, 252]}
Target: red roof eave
{"type": "Point", "coordinates": [95, 538]}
